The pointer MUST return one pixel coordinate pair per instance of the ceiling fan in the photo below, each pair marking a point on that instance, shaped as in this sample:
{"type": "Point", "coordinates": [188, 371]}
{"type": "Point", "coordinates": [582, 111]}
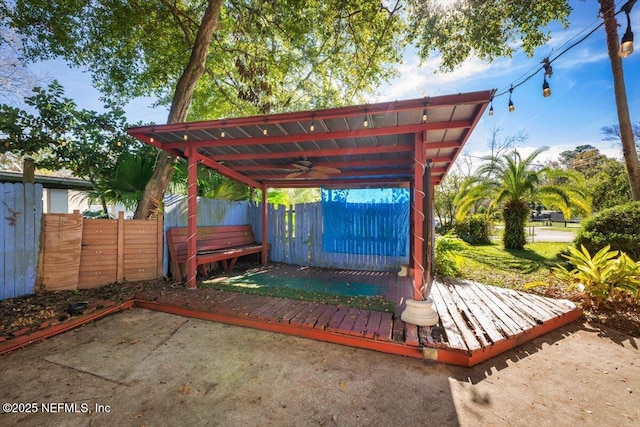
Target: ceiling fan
{"type": "Point", "coordinates": [305, 169]}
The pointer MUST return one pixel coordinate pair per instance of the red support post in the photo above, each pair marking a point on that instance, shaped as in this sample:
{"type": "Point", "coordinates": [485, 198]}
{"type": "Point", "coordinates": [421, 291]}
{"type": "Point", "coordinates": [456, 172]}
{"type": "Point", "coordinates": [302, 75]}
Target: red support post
{"type": "Point", "coordinates": [418, 216]}
{"type": "Point", "coordinates": [192, 216]}
{"type": "Point", "coordinates": [264, 237]}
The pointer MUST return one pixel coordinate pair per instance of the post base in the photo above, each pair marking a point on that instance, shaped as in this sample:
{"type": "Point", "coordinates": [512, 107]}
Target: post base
{"type": "Point", "coordinates": [420, 313]}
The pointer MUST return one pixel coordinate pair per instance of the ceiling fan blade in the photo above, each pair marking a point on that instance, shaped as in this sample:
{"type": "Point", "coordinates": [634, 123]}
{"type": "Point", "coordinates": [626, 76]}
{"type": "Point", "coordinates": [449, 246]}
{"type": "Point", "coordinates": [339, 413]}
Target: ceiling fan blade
{"type": "Point", "coordinates": [317, 174]}
{"type": "Point", "coordinates": [300, 167]}
{"type": "Point", "coordinates": [326, 170]}
{"type": "Point", "coordinates": [296, 174]}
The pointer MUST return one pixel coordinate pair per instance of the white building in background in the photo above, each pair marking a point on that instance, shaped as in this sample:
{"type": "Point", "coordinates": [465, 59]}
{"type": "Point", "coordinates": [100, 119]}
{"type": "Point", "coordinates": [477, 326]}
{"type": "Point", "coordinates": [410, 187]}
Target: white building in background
{"type": "Point", "coordinates": [65, 195]}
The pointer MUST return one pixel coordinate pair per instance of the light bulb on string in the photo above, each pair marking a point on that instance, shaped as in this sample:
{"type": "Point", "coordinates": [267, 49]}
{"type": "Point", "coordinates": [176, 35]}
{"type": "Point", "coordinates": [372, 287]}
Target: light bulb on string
{"type": "Point", "coordinates": [512, 107]}
{"type": "Point", "coordinates": [548, 71]}
{"type": "Point", "coordinates": [626, 44]}
{"type": "Point", "coordinates": [491, 107]}
{"type": "Point", "coordinates": [222, 134]}
{"type": "Point", "coordinates": [546, 90]}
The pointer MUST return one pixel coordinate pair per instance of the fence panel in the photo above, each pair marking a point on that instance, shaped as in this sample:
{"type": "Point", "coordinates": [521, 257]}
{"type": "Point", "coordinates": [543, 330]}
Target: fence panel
{"type": "Point", "coordinates": [21, 206]}
{"type": "Point", "coordinates": [296, 237]}
{"type": "Point", "coordinates": [87, 253]}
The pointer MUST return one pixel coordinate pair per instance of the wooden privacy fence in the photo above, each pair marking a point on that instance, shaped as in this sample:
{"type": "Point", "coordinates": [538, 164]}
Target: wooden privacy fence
{"type": "Point", "coordinates": [296, 237]}
{"type": "Point", "coordinates": [21, 206]}
{"type": "Point", "coordinates": [79, 253]}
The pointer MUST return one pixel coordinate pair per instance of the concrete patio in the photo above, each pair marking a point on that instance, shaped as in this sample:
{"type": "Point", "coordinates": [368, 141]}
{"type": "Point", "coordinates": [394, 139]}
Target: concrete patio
{"type": "Point", "coordinates": [140, 367]}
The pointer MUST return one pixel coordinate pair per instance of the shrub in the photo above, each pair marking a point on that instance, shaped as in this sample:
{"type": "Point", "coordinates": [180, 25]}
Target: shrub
{"type": "Point", "coordinates": [474, 229]}
{"type": "Point", "coordinates": [607, 276]}
{"type": "Point", "coordinates": [448, 259]}
{"type": "Point", "coordinates": [618, 227]}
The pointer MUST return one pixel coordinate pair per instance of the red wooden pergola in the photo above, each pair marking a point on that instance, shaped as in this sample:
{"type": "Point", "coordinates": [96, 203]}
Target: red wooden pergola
{"type": "Point", "coordinates": [402, 143]}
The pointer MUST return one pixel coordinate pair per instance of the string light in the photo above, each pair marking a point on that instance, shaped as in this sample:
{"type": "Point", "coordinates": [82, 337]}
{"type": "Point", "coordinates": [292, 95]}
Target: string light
{"type": "Point", "coordinates": [313, 121]}
{"type": "Point", "coordinates": [151, 140]}
{"type": "Point", "coordinates": [185, 137]}
{"type": "Point", "coordinates": [265, 132]}
{"type": "Point", "coordinates": [548, 71]}
{"type": "Point", "coordinates": [626, 48]}
{"type": "Point", "coordinates": [626, 44]}
{"type": "Point", "coordinates": [512, 107]}
{"type": "Point", "coordinates": [222, 134]}
{"type": "Point", "coordinates": [366, 122]}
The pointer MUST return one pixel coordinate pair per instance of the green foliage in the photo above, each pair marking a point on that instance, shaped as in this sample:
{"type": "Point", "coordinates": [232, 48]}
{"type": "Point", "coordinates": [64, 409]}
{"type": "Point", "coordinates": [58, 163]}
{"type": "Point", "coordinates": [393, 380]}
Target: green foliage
{"type": "Point", "coordinates": [93, 146]}
{"type": "Point", "coordinates": [264, 56]}
{"type": "Point", "coordinates": [127, 184]}
{"type": "Point", "coordinates": [486, 29]}
{"type": "Point", "coordinates": [447, 255]}
{"type": "Point", "coordinates": [515, 214]}
{"type": "Point", "coordinates": [606, 276]}
{"type": "Point", "coordinates": [474, 229]}
{"type": "Point", "coordinates": [609, 185]}
{"type": "Point", "coordinates": [494, 265]}
{"type": "Point", "coordinates": [511, 182]}
{"type": "Point", "coordinates": [618, 227]}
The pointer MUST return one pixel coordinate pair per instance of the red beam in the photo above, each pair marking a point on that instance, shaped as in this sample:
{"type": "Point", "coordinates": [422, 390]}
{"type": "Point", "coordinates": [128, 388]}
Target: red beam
{"type": "Point", "coordinates": [318, 136]}
{"type": "Point", "coordinates": [231, 173]}
{"type": "Point", "coordinates": [316, 153]}
{"type": "Point", "coordinates": [383, 172]}
{"type": "Point", "coordinates": [480, 97]}
{"type": "Point", "coordinates": [351, 183]}
{"type": "Point", "coordinates": [339, 164]}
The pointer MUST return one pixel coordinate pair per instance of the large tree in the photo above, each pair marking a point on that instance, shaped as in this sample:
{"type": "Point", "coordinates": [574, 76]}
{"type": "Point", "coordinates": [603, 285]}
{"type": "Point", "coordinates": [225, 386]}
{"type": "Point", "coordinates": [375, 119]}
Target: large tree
{"type": "Point", "coordinates": [490, 29]}
{"type": "Point", "coordinates": [229, 58]}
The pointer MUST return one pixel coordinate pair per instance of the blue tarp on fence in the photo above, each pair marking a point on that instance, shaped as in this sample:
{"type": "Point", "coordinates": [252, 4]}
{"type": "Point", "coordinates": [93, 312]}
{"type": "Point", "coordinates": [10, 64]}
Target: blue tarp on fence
{"type": "Point", "coordinates": [375, 228]}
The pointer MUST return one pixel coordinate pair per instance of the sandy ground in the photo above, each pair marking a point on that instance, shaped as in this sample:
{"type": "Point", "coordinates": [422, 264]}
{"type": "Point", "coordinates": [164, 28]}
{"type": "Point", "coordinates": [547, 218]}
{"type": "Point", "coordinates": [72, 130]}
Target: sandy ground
{"type": "Point", "coordinates": [154, 369]}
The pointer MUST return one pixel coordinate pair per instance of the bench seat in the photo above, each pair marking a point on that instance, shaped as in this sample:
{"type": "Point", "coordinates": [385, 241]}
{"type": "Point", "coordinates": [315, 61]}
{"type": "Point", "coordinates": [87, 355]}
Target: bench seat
{"type": "Point", "coordinates": [225, 243]}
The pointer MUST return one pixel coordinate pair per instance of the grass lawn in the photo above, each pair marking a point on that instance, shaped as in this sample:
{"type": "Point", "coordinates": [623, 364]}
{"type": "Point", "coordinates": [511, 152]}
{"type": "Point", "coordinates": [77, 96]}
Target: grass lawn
{"type": "Point", "coordinates": [494, 265]}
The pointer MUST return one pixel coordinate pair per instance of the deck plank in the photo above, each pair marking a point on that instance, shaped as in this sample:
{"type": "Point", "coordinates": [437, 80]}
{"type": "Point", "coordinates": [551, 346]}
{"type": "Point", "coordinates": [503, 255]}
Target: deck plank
{"type": "Point", "coordinates": [336, 319]}
{"type": "Point", "coordinates": [269, 312]}
{"type": "Point", "coordinates": [534, 306]}
{"type": "Point", "coordinates": [325, 317]}
{"type": "Point", "coordinates": [373, 323]}
{"type": "Point", "coordinates": [508, 306]}
{"type": "Point", "coordinates": [295, 309]}
{"type": "Point", "coordinates": [312, 318]}
{"type": "Point", "coordinates": [299, 318]}
{"type": "Point", "coordinates": [255, 313]}
{"type": "Point", "coordinates": [472, 315]}
{"type": "Point", "coordinates": [360, 325]}
{"type": "Point", "coordinates": [452, 333]}
{"type": "Point", "coordinates": [504, 320]}
{"type": "Point", "coordinates": [349, 320]}
{"type": "Point", "coordinates": [385, 327]}
{"type": "Point", "coordinates": [411, 335]}
{"type": "Point", "coordinates": [466, 330]}
{"type": "Point", "coordinates": [481, 312]}
{"type": "Point", "coordinates": [397, 330]}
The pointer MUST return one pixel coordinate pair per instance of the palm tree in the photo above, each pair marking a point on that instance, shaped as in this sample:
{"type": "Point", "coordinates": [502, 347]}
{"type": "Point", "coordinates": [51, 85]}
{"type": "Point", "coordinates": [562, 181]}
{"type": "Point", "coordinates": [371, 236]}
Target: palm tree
{"type": "Point", "coordinates": [511, 182]}
{"type": "Point", "coordinates": [126, 186]}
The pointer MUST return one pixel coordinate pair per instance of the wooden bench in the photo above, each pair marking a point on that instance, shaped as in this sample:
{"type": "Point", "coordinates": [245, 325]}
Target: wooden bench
{"type": "Point", "coordinates": [223, 243]}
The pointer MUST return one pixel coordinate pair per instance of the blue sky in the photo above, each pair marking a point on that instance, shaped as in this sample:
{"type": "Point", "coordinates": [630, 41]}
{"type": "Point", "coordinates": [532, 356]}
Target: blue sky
{"type": "Point", "coordinates": [582, 99]}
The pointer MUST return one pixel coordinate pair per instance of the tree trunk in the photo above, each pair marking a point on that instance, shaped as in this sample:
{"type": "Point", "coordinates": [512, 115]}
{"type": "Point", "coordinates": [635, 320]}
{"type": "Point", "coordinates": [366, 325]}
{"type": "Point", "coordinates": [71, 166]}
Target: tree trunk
{"type": "Point", "coordinates": [607, 8]}
{"type": "Point", "coordinates": [163, 172]}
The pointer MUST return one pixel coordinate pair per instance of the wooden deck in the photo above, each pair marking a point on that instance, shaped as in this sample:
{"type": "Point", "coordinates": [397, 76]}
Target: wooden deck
{"type": "Point", "coordinates": [477, 322]}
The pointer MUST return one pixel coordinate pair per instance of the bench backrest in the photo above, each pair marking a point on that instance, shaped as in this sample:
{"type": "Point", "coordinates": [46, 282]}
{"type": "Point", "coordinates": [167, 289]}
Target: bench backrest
{"type": "Point", "coordinates": [210, 238]}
